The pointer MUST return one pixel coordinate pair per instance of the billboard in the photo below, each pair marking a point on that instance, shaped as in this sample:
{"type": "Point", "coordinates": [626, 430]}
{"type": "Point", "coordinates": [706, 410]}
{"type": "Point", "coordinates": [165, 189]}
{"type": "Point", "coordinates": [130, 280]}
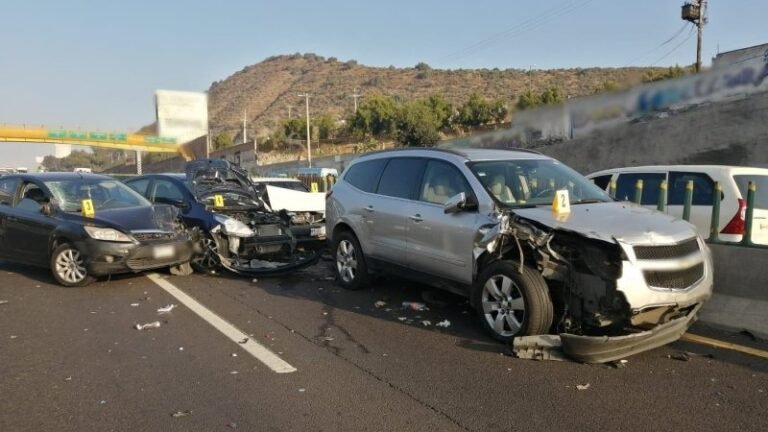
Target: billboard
{"type": "Point", "coordinates": [181, 115]}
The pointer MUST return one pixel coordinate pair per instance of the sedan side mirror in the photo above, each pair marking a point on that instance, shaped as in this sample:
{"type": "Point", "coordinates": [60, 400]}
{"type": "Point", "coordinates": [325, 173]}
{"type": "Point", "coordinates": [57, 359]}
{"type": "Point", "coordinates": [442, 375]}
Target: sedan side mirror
{"type": "Point", "coordinates": [47, 209]}
{"type": "Point", "coordinates": [460, 202]}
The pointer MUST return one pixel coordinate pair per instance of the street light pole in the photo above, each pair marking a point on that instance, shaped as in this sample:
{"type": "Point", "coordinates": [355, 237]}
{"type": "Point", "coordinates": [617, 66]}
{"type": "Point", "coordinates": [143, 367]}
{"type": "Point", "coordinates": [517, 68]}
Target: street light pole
{"type": "Point", "coordinates": [309, 144]}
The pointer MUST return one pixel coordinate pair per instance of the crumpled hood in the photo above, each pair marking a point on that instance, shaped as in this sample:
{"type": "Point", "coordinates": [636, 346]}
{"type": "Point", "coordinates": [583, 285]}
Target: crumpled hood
{"type": "Point", "coordinates": [158, 217]}
{"type": "Point", "coordinates": [620, 220]}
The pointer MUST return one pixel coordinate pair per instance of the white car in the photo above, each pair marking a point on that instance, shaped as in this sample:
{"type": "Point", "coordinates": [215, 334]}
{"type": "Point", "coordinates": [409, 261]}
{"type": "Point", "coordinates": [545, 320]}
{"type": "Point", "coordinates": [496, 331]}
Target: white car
{"type": "Point", "coordinates": [291, 195]}
{"type": "Point", "coordinates": [734, 181]}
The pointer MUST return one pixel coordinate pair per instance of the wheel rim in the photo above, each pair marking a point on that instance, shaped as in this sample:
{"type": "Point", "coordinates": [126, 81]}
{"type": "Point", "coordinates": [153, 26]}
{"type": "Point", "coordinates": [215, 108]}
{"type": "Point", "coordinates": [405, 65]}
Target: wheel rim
{"type": "Point", "coordinates": [346, 261]}
{"type": "Point", "coordinates": [70, 266]}
{"type": "Point", "coordinates": [210, 258]}
{"type": "Point", "coordinates": [503, 305]}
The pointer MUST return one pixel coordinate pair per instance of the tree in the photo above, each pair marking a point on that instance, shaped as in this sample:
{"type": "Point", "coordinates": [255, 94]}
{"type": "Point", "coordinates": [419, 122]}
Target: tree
{"type": "Point", "coordinates": [672, 72]}
{"type": "Point", "coordinates": [295, 128]}
{"type": "Point", "coordinates": [551, 96]}
{"type": "Point", "coordinates": [326, 125]}
{"type": "Point", "coordinates": [442, 110]}
{"type": "Point", "coordinates": [417, 125]}
{"type": "Point", "coordinates": [475, 112]}
{"type": "Point", "coordinates": [499, 111]}
{"type": "Point", "coordinates": [375, 116]}
{"type": "Point", "coordinates": [222, 140]}
{"type": "Point", "coordinates": [528, 100]}
{"type": "Point", "coordinates": [606, 86]}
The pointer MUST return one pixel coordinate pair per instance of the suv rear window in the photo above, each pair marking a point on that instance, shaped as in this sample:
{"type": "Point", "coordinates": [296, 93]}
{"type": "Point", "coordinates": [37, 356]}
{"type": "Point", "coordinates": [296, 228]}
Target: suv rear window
{"type": "Point", "coordinates": [401, 178]}
{"type": "Point", "coordinates": [761, 183]}
{"type": "Point", "coordinates": [365, 175]}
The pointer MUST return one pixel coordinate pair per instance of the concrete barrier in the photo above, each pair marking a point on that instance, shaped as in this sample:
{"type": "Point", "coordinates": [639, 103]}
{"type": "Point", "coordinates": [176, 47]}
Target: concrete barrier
{"type": "Point", "coordinates": [740, 300]}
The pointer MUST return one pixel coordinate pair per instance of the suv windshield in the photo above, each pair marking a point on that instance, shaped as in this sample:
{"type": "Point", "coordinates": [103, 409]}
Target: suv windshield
{"type": "Point", "coordinates": [105, 194]}
{"type": "Point", "coordinates": [532, 182]}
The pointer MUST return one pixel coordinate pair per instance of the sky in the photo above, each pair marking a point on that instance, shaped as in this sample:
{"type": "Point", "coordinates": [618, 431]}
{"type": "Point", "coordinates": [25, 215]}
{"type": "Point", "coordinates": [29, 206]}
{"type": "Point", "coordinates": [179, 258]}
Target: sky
{"type": "Point", "coordinates": [96, 64]}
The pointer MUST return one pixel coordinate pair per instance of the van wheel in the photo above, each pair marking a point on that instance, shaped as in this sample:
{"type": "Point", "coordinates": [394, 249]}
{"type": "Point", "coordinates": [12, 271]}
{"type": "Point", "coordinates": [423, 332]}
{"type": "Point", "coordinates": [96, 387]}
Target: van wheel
{"type": "Point", "coordinates": [68, 267]}
{"type": "Point", "coordinates": [511, 304]}
{"type": "Point", "coordinates": [351, 269]}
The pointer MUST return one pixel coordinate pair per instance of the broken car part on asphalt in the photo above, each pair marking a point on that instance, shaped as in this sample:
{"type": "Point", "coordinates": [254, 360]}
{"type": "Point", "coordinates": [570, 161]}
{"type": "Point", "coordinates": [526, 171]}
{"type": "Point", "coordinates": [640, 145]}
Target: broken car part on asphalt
{"type": "Point", "coordinates": [147, 326]}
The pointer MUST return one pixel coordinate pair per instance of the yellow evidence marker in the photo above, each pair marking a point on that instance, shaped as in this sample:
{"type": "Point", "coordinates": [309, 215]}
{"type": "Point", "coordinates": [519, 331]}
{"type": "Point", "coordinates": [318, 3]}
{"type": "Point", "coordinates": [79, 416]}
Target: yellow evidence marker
{"type": "Point", "coordinates": [218, 201]}
{"type": "Point", "coordinates": [87, 208]}
{"type": "Point", "coordinates": [561, 204]}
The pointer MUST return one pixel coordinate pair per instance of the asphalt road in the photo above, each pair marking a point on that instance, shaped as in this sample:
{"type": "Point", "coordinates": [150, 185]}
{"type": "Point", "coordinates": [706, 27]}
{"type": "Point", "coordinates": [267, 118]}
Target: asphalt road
{"type": "Point", "coordinates": [71, 360]}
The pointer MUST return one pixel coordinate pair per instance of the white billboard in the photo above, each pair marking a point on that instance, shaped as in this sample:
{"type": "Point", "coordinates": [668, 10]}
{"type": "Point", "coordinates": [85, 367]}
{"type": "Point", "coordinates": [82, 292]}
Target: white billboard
{"type": "Point", "coordinates": [181, 115]}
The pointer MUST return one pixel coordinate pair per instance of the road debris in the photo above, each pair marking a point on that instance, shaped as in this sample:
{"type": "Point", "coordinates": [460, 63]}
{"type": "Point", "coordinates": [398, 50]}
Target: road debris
{"type": "Point", "coordinates": [181, 348]}
{"type": "Point", "coordinates": [233, 373]}
{"type": "Point", "coordinates": [147, 326]}
{"type": "Point", "coordinates": [69, 378]}
{"type": "Point", "coordinates": [242, 341]}
{"type": "Point", "coordinates": [134, 305]}
{"type": "Point", "coordinates": [415, 306]}
{"type": "Point", "coordinates": [2, 302]}
{"type": "Point", "coordinates": [13, 336]}
{"type": "Point", "coordinates": [681, 356]}
{"type": "Point", "coordinates": [234, 354]}
{"type": "Point", "coordinates": [426, 323]}
{"type": "Point", "coordinates": [181, 413]}
{"type": "Point", "coordinates": [327, 338]}
{"type": "Point", "coordinates": [232, 425]}
{"type": "Point", "coordinates": [302, 390]}
{"type": "Point", "coordinates": [541, 347]}
{"type": "Point", "coordinates": [166, 309]}
{"type": "Point", "coordinates": [621, 364]}
{"type": "Point", "coordinates": [582, 386]}
{"type": "Point", "coordinates": [254, 280]}
{"type": "Point", "coordinates": [380, 304]}
{"type": "Point", "coordinates": [444, 324]}
{"type": "Point", "coordinates": [402, 318]}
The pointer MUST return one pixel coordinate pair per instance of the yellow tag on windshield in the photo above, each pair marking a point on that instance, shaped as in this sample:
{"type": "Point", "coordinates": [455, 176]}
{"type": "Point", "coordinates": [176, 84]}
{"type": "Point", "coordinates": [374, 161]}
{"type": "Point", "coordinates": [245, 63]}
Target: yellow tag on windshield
{"type": "Point", "coordinates": [87, 208]}
{"type": "Point", "coordinates": [314, 187]}
{"type": "Point", "coordinates": [218, 201]}
{"type": "Point", "coordinates": [562, 202]}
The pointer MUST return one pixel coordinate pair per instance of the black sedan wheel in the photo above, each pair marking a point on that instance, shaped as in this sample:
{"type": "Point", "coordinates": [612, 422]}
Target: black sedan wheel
{"type": "Point", "coordinates": [68, 267]}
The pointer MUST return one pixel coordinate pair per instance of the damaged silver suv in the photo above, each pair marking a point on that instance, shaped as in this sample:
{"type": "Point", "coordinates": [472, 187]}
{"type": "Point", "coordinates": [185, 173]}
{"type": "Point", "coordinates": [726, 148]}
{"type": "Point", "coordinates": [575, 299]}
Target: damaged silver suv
{"type": "Point", "coordinates": [610, 278]}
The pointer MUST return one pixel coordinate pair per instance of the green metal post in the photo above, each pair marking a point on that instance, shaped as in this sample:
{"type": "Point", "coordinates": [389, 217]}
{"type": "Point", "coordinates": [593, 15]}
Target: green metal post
{"type": "Point", "coordinates": [325, 184]}
{"type": "Point", "coordinates": [747, 240]}
{"type": "Point", "coordinates": [639, 192]}
{"type": "Point", "coordinates": [662, 204]}
{"type": "Point", "coordinates": [714, 225]}
{"type": "Point", "coordinates": [688, 201]}
{"type": "Point", "coordinates": [612, 189]}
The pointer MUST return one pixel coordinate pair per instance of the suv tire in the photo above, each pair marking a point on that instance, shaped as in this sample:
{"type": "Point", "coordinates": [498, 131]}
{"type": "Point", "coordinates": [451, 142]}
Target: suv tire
{"type": "Point", "coordinates": [349, 262]}
{"type": "Point", "coordinates": [512, 304]}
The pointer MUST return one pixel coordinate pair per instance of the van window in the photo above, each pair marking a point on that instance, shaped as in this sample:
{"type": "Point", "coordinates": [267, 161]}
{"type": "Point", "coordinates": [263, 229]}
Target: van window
{"type": "Point", "coordinates": [761, 191]}
{"type": "Point", "coordinates": [401, 178]}
{"type": "Point", "coordinates": [625, 187]}
{"type": "Point", "coordinates": [602, 181]}
{"type": "Point", "coordinates": [703, 188]}
{"type": "Point", "coordinates": [365, 175]}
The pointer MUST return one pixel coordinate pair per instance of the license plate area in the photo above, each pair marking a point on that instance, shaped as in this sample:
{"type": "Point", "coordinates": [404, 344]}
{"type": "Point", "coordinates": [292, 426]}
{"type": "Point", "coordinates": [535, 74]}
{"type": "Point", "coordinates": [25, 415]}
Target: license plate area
{"type": "Point", "coordinates": [163, 251]}
{"type": "Point", "coordinates": [317, 232]}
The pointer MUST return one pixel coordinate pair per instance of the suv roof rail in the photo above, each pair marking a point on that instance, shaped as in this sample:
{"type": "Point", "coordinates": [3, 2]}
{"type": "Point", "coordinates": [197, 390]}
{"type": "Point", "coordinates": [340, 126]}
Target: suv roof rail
{"type": "Point", "coordinates": [440, 149]}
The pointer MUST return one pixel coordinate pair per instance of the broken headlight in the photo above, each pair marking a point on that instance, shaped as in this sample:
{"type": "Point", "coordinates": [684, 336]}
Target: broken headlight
{"type": "Point", "coordinates": [107, 234]}
{"type": "Point", "coordinates": [233, 227]}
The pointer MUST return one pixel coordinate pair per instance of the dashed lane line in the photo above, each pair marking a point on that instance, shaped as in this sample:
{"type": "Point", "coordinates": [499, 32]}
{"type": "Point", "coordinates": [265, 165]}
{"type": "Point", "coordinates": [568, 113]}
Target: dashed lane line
{"type": "Point", "coordinates": [260, 352]}
{"type": "Point", "coordinates": [725, 345]}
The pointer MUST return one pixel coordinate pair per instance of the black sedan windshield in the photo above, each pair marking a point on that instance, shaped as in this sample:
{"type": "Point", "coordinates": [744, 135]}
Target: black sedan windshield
{"type": "Point", "coordinates": [516, 183]}
{"type": "Point", "coordinates": [104, 193]}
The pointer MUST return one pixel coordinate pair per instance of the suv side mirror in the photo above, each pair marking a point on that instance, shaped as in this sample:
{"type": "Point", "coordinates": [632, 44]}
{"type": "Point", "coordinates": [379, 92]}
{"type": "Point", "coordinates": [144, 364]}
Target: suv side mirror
{"type": "Point", "coordinates": [460, 202]}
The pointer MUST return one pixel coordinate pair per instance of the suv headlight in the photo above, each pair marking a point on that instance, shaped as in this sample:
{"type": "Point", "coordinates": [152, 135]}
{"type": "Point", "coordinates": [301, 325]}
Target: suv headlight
{"type": "Point", "coordinates": [233, 226]}
{"type": "Point", "coordinates": [107, 234]}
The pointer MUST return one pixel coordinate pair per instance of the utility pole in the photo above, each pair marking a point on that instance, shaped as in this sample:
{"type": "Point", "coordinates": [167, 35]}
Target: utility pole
{"type": "Point", "coordinates": [355, 95]}
{"type": "Point", "coordinates": [696, 13]}
{"type": "Point", "coordinates": [309, 144]}
{"type": "Point", "coordinates": [289, 111]}
{"type": "Point", "coordinates": [245, 125]}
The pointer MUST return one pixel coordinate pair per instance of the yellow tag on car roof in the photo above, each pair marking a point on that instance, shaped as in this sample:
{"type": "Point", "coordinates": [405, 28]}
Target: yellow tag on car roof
{"type": "Point", "coordinates": [562, 202]}
{"type": "Point", "coordinates": [218, 201]}
{"type": "Point", "coordinates": [314, 187]}
{"type": "Point", "coordinates": [87, 208]}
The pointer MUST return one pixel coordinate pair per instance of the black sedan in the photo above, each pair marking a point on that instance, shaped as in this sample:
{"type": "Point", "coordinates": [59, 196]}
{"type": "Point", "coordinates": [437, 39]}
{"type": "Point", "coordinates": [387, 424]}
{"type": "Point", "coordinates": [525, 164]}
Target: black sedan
{"type": "Point", "coordinates": [83, 226]}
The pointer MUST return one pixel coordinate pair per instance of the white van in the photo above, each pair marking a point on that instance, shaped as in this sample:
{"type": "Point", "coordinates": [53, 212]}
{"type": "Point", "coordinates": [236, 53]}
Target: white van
{"type": "Point", "coordinates": [734, 181]}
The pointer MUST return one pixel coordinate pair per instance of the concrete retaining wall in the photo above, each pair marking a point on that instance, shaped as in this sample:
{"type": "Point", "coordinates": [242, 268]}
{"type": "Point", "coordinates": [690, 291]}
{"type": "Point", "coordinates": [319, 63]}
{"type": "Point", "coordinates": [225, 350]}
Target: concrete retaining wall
{"type": "Point", "coordinates": [740, 301]}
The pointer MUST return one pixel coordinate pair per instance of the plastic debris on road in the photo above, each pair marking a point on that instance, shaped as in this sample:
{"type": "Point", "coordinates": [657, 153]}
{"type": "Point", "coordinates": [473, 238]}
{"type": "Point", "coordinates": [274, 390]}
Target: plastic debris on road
{"type": "Point", "coordinates": [233, 373]}
{"type": "Point", "coordinates": [380, 304]}
{"type": "Point", "coordinates": [69, 378]}
{"type": "Point", "coordinates": [181, 413]}
{"type": "Point", "coordinates": [234, 354]}
{"type": "Point", "coordinates": [415, 306]}
{"type": "Point", "coordinates": [242, 341]}
{"type": "Point", "coordinates": [2, 302]}
{"type": "Point", "coordinates": [402, 318]}
{"type": "Point", "coordinates": [444, 324]}
{"type": "Point", "coordinates": [134, 305]}
{"type": "Point", "coordinates": [166, 309]}
{"type": "Point", "coordinates": [582, 386]}
{"type": "Point", "coordinates": [540, 347]}
{"type": "Point", "coordinates": [301, 390]}
{"type": "Point", "coordinates": [147, 326]}
{"type": "Point", "coordinates": [327, 338]}
{"type": "Point", "coordinates": [426, 323]}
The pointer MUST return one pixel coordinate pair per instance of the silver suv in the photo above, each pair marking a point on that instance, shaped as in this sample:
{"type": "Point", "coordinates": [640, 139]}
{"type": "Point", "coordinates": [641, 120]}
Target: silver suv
{"type": "Point", "coordinates": [611, 278]}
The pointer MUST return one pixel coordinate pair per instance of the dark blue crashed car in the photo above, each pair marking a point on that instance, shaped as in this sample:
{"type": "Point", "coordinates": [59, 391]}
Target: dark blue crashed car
{"type": "Point", "coordinates": [239, 230]}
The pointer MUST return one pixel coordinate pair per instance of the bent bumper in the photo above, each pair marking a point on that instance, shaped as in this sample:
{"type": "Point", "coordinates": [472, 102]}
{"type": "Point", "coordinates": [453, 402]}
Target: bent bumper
{"type": "Point", "coordinates": [601, 349]}
{"type": "Point", "coordinates": [105, 258]}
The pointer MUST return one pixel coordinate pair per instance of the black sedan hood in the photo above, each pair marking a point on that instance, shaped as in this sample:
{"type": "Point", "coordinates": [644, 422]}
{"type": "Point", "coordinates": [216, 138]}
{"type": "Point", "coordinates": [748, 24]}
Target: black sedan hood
{"type": "Point", "coordinates": [158, 217]}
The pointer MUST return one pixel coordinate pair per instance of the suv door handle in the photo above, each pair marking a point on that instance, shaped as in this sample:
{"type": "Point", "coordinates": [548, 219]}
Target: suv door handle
{"type": "Point", "coordinates": [416, 218]}
{"type": "Point", "coordinates": [369, 209]}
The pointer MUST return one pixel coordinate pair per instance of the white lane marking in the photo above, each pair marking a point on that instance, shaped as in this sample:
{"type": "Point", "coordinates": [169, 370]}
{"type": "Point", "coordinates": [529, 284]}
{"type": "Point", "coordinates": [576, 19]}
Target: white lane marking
{"type": "Point", "coordinates": [261, 353]}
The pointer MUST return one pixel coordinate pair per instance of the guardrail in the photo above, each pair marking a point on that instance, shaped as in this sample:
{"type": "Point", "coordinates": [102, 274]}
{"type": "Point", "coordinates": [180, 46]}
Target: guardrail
{"type": "Point", "coordinates": [714, 227]}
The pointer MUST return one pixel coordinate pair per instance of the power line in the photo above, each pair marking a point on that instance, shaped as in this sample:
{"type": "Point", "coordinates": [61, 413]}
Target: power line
{"type": "Point", "coordinates": [687, 38]}
{"type": "Point", "coordinates": [656, 48]}
{"type": "Point", "coordinates": [518, 29]}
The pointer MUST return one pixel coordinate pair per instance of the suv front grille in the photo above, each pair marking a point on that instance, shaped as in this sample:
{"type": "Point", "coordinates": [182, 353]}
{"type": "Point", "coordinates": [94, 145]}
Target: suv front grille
{"type": "Point", "coordinates": [675, 279]}
{"type": "Point", "coordinates": [667, 251]}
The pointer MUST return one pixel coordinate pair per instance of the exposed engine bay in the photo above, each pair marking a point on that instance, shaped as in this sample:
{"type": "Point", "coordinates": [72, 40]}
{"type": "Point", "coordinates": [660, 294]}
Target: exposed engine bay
{"type": "Point", "coordinates": [248, 237]}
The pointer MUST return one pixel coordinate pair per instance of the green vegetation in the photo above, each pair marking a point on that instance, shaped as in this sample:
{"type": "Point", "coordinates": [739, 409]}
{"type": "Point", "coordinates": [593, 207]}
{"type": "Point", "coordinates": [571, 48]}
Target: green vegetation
{"type": "Point", "coordinates": [660, 75]}
{"type": "Point", "coordinates": [550, 96]}
{"type": "Point", "coordinates": [222, 140]}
